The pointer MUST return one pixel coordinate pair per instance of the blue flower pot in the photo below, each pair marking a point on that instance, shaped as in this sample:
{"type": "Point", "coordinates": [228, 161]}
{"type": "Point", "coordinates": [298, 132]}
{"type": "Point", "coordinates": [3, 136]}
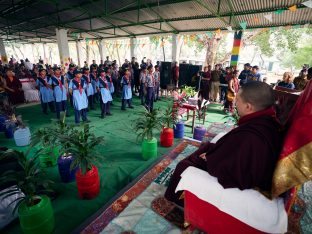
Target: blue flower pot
{"type": "Point", "coordinates": [66, 174]}
{"type": "Point", "coordinates": [2, 123]}
{"type": "Point", "coordinates": [9, 131]}
{"type": "Point", "coordinates": [179, 130]}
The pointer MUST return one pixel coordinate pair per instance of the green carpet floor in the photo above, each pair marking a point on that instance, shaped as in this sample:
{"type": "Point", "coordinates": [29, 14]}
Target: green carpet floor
{"type": "Point", "coordinates": [121, 159]}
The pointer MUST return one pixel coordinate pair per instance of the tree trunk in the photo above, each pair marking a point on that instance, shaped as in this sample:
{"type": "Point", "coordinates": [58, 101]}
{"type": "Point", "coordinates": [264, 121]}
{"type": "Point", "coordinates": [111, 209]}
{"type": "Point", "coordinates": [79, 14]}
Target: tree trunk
{"type": "Point", "coordinates": [212, 47]}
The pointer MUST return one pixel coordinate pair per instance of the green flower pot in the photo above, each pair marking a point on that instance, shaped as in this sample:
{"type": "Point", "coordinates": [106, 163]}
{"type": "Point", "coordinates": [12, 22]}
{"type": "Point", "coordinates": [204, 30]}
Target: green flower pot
{"type": "Point", "coordinates": [48, 157]}
{"type": "Point", "coordinates": [149, 148]}
{"type": "Point", "coordinates": [37, 219]}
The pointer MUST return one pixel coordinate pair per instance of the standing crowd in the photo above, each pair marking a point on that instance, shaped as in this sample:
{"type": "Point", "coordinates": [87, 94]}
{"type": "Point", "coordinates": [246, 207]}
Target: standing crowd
{"type": "Point", "coordinates": [83, 87]}
{"type": "Point", "coordinates": [222, 85]}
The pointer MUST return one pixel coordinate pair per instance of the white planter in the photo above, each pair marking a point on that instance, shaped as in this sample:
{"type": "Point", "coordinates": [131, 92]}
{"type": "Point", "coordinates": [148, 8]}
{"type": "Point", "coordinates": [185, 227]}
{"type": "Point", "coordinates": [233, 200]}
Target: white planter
{"type": "Point", "coordinates": [22, 136]}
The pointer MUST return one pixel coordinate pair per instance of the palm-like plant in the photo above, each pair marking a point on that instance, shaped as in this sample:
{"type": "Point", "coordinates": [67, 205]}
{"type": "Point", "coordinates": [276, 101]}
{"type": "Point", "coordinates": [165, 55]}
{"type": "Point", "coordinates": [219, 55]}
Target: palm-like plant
{"type": "Point", "coordinates": [30, 180]}
{"type": "Point", "coordinates": [81, 144]}
{"type": "Point", "coordinates": [233, 117]}
{"type": "Point", "coordinates": [145, 125]}
{"type": "Point", "coordinates": [52, 136]}
{"type": "Point", "coordinates": [169, 117]}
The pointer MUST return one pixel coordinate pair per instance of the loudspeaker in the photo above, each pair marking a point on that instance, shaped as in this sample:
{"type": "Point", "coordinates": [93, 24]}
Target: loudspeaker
{"type": "Point", "coordinates": [165, 74]}
{"type": "Point", "coordinates": [183, 74]}
{"type": "Point", "coordinates": [188, 74]}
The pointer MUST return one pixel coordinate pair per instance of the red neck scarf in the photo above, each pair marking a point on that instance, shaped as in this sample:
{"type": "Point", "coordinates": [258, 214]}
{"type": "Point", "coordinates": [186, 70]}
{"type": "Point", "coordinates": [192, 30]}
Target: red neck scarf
{"type": "Point", "coordinates": [60, 82]}
{"type": "Point", "coordinates": [79, 85]}
{"type": "Point", "coordinates": [267, 112]}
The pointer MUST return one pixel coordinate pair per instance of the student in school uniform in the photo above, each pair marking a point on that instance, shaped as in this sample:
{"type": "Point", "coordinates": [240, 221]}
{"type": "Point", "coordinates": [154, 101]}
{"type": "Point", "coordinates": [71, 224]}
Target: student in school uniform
{"type": "Point", "coordinates": [110, 81]}
{"type": "Point", "coordinates": [94, 81]}
{"type": "Point", "coordinates": [143, 74]}
{"type": "Point", "coordinates": [89, 89]}
{"type": "Point", "coordinates": [126, 91]}
{"type": "Point", "coordinates": [77, 88]}
{"type": "Point", "coordinates": [44, 85]}
{"type": "Point", "coordinates": [150, 85]}
{"type": "Point", "coordinates": [59, 85]}
{"type": "Point", "coordinates": [69, 77]}
{"type": "Point", "coordinates": [105, 95]}
{"type": "Point", "coordinates": [157, 82]}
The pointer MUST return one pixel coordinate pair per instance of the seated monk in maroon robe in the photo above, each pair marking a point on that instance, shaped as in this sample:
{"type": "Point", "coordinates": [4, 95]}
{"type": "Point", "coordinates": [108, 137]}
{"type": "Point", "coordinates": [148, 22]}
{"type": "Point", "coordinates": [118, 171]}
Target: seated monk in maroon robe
{"type": "Point", "coordinates": [244, 158]}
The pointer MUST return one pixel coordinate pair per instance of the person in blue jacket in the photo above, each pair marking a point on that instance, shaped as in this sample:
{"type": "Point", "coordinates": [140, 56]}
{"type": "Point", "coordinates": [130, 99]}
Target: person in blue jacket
{"type": "Point", "coordinates": [126, 90]}
{"type": "Point", "coordinates": [89, 89]}
{"type": "Point", "coordinates": [77, 88]}
{"type": "Point", "coordinates": [44, 85]}
{"type": "Point", "coordinates": [59, 85]}
{"type": "Point", "coordinates": [105, 97]}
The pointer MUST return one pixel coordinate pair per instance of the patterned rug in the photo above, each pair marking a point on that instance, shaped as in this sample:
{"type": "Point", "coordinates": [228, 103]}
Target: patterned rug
{"type": "Point", "coordinates": [132, 211]}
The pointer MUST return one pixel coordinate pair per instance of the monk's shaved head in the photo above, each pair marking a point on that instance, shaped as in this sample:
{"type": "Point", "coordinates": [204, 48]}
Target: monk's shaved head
{"type": "Point", "coordinates": [257, 93]}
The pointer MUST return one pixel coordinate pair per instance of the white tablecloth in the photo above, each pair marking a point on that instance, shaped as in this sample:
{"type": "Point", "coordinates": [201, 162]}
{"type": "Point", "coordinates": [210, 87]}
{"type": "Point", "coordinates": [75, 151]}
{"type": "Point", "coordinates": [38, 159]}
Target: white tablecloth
{"type": "Point", "coordinates": [30, 92]}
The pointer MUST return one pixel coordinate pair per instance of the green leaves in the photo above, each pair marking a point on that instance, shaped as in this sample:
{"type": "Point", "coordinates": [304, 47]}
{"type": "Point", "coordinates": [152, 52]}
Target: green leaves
{"type": "Point", "coordinates": [31, 180]}
{"type": "Point", "coordinates": [81, 145]}
{"type": "Point", "coordinates": [146, 123]}
{"type": "Point", "coordinates": [189, 91]}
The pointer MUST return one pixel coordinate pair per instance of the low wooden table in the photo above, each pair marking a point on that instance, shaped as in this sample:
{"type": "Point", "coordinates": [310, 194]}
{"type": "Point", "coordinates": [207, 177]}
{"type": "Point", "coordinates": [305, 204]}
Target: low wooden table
{"type": "Point", "coordinates": [193, 108]}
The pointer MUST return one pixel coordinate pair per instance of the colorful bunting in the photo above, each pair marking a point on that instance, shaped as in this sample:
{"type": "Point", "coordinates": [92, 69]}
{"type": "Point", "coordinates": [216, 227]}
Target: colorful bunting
{"type": "Point", "coordinates": [307, 3]}
{"type": "Point", "coordinates": [229, 28]}
{"type": "Point", "coordinates": [280, 11]}
{"type": "Point", "coordinates": [256, 20]}
{"type": "Point", "coordinates": [243, 24]}
{"type": "Point", "coordinates": [218, 31]}
{"type": "Point", "coordinates": [293, 8]}
{"type": "Point", "coordinates": [268, 17]}
{"type": "Point", "coordinates": [209, 34]}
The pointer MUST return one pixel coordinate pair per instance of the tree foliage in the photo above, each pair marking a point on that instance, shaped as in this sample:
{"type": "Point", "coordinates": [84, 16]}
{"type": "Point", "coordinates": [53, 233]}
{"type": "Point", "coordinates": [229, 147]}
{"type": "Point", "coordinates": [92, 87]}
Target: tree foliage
{"type": "Point", "coordinates": [280, 41]}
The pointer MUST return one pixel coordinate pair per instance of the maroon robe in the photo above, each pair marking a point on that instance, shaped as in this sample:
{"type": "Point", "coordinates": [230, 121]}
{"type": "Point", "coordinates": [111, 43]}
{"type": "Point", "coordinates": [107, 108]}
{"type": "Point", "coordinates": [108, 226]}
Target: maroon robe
{"type": "Point", "coordinates": [244, 158]}
{"type": "Point", "coordinates": [17, 96]}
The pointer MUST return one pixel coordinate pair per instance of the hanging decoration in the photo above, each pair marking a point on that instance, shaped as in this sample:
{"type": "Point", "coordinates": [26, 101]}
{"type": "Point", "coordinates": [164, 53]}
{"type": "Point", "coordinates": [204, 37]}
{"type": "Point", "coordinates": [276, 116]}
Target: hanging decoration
{"type": "Point", "coordinates": [236, 47]}
{"type": "Point", "coordinates": [229, 28]}
{"type": "Point", "coordinates": [307, 3]}
{"type": "Point", "coordinates": [293, 8]}
{"type": "Point", "coordinates": [279, 11]}
{"type": "Point", "coordinates": [209, 34]}
{"type": "Point", "coordinates": [256, 20]}
{"type": "Point", "coordinates": [243, 25]}
{"type": "Point", "coordinates": [268, 17]}
{"type": "Point", "coordinates": [218, 31]}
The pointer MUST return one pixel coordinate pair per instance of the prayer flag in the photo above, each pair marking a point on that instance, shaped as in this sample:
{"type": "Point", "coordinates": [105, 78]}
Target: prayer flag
{"type": "Point", "coordinates": [307, 3]}
{"type": "Point", "coordinates": [293, 8]}
{"type": "Point", "coordinates": [243, 24]}
{"type": "Point", "coordinates": [268, 17]}
{"type": "Point", "coordinates": [280, 11]}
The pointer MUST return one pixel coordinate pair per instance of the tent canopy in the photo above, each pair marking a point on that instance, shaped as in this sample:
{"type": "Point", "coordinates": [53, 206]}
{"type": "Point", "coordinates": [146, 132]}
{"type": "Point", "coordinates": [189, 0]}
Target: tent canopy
{"type": "Point", "coordinates": [36, 20]}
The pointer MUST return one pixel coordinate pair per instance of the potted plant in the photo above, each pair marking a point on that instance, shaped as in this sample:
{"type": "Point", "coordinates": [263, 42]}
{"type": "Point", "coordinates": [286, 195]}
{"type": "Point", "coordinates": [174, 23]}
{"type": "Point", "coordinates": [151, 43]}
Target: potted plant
{"type": "Point", "coordinates": [82, 143]}
{"type": "Point", "coordinates": [30, 193]}
{"type": "Point", "coordinates": [178, 127]}
{"type": "Point", "coordinates": [144, 127]}
{"type": "Point", "coordinates": [22, 134]}
{"type": "Point", "coordinates": [189, 94]}
{"type": "Point", "coordinates": [66, 158]}
{"type": "Point", "coordinates": [47, 143]}
{"type": "Point", "coordinates": [166, 134]}
{"type": "Point", "coordinates": [232, 118]}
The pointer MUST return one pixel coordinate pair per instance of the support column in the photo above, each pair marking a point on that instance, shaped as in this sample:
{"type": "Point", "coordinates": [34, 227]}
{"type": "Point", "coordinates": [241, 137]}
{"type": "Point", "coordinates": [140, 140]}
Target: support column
{"type": "Point", "coordinates": [78, 48]}
{"type": "Point", "coordinates": [236, 48]}
{"type": "Point", "coordinates": [4, 57]}
{"type": "Point", "coordinates": [45, 60]}
{"type": "Point", "coordinates": [102, 51]}
{"type": "Point", "coordinates": [33, 53]}
{"type": "Point", "coordinates": [175, 56]}
{"type": "Point", "coordinates": [62, 42]}
{"type": "Point", "coordinates": [133, 41]}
